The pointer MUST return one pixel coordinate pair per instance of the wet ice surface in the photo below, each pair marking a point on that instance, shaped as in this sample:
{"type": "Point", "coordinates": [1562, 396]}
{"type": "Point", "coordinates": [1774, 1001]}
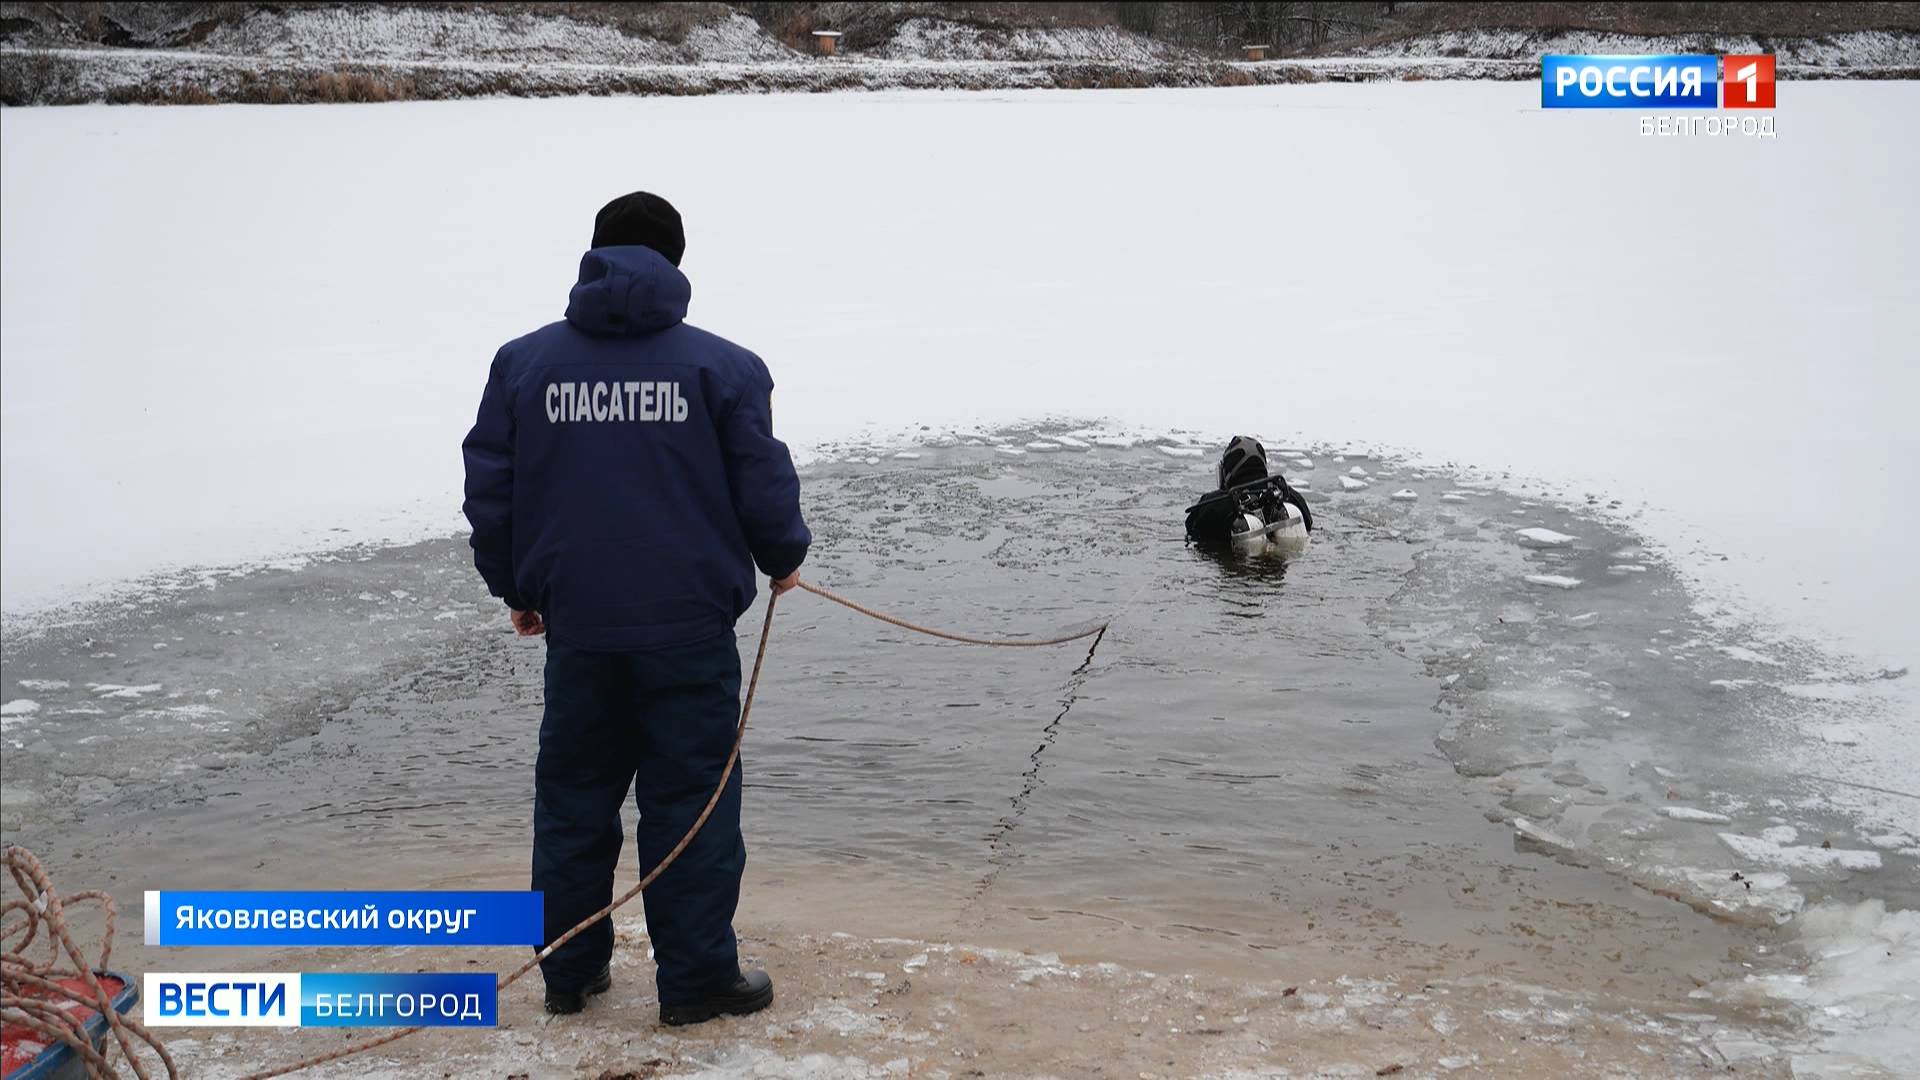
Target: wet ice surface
{"type": "Point", "coordinates": [1242, 778]}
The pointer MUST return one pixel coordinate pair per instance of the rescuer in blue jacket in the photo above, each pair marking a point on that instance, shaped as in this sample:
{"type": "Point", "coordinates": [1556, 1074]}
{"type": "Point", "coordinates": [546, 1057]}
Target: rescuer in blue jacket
{"type": "Point", "coordinates": [622, 482]}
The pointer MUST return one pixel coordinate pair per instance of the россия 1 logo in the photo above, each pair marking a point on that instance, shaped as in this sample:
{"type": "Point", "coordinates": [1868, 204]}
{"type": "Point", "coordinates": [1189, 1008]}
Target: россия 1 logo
{"type": "Point", "coordinates": [1656, 82]}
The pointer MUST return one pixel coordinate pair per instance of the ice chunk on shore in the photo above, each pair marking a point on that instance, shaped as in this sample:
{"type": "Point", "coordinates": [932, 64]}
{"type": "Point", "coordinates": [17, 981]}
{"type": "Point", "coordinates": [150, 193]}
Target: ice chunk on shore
{"type": "Point", "coordinates": [1071, 443]}
{"type": "Point", "coordinates": [1553, 581]}
{"type": "Point", "coordinates": [1348, 483]}
{"type": "Point", "coordinates": [1688, 813]}
{"type": "Point", "coordinates": [1302, 462]}
{"type": "Point", "coordinates": [1768, 853]}
{"type": "Point", "coordinates": [1453, 497]}
{"type": "Point", "coordinates": [1181, 451]}
{"type": "Point", "coordinates": [1404, 495]}
{"type": "Point", "coordinates": [1542, 538]}
{"type": "Point", "coordinates": [1039, 446]}
{"type": "Point", "coordinates": [20, 707]}
{"type": "Point", "coordinates": [1626, 568]}
{"type": "Point", "coordinates": [1114, 442]}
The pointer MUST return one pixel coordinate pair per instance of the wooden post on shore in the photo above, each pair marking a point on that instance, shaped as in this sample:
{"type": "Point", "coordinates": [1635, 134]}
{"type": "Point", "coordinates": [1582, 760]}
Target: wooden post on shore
{"type": "Point", "coordinates": [827, 41]}
{"type": "Point", "coordinates": [1255, 52]}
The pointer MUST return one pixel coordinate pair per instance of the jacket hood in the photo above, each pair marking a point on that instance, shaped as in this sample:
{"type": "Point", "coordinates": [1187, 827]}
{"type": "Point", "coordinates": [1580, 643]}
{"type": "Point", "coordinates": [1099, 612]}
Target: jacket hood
{"type": "Point", "coordinates": [628, 290]}
{"type": "Point", "coordinates": [1244, 461]}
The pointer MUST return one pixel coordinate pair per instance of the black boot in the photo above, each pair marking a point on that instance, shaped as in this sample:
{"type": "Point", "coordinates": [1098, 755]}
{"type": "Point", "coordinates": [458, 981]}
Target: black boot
{"type": "Point", "coordinates": [750, 993]}
{"type": "Point", "coordinates": [568, 1002]}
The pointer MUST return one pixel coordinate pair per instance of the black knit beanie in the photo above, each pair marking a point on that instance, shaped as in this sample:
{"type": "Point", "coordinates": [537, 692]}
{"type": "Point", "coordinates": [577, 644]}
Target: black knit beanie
{"type": "Point", "coordinates": [642, 219]}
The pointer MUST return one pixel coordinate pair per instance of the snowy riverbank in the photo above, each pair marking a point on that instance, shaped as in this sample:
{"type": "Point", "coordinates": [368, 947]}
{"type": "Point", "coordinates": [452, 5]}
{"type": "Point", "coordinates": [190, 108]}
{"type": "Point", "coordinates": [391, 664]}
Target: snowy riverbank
{"type": "Point", "coordinates": [399, 52]}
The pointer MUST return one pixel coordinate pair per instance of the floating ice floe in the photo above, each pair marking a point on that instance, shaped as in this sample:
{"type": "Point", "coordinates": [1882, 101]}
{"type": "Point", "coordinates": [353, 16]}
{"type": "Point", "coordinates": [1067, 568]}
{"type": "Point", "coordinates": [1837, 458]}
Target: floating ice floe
{"type": "Point", "coordinates": [1453, 497]}
{"type": "Point", "coordinates": [1768, 891]}
{"type": "Point", "coordinates": [1542, 538]}
{"type": "Point", "coordinates": [1181, 451]}
{"type": "Point", "coordinates": [1072, 443]}
{"type": "Point", "coordinates": [1302, 462]}
{"type": "Point", "coordinates": [1404, 495]}
{"type": "Point", "coordinates": [1010, 450]}
{"type": "Point", "coordinates": [1114, 442]}
{"type": "Point", "coordinates": [43, 685]}
{"type": "Point", "coordinates": [1348, 483]}
{"type": "Point", "coordinates": [114, 690]}
{"type": "Point", "coordinates": [1767, 852]}
{"type": "Point", "coordinates": [1585, 618]}
{"type": "Point", "coordinates": [1303, 485]}
{"type": "Point", "coordinates": [1623, 569]}
{"type": "Point", "coordinates": [1041, 446]}
{"type": "Point", "coordinates": [1688, 813]}
{"type": "Point", "coordinates": [1731, 684]}
{"type": "Point", "coordinates": [20, 707]}
{"type": "Point", "coordinates": [1357, 471]}
{"type": "Point", "coordinates": [906, 455]}
{"type": "Point", "coordinates": [1541, 836]}
{"type": "Point", "coordinates": [1553, 581]}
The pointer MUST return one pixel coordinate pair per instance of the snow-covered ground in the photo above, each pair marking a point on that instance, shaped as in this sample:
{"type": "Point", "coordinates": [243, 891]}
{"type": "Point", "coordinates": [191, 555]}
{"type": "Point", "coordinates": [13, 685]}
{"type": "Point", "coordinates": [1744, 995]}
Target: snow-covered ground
{"type": "Point", "coordinates": [939, 39]}
{"type": "Point", "coordinates": [397, 33]}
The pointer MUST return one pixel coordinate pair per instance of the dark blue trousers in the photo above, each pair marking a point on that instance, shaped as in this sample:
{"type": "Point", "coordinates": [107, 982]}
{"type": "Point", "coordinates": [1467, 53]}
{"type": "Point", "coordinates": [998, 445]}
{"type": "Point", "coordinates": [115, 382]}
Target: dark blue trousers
{"type": "Point", "coordinates": [661, 725]}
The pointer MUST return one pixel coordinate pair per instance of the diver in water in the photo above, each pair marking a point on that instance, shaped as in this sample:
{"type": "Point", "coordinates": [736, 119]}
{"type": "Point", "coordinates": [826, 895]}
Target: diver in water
{"type": "Point", "coordinates": [1251, 504]}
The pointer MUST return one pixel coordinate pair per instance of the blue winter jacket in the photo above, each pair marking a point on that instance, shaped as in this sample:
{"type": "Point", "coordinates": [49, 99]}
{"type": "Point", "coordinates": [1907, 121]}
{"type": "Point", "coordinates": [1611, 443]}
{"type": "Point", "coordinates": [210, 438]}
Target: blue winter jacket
{"type": "Point", "coordinates": [622, 476]}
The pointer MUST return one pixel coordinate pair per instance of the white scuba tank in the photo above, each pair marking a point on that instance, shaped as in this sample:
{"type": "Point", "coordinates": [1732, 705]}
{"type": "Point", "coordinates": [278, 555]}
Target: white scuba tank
{"type": "Point", "coordinates": [1285, 536]}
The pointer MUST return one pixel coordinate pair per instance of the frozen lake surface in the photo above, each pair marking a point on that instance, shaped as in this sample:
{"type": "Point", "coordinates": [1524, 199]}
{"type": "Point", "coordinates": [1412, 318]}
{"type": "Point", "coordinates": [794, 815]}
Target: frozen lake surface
{"type": "Point", "coordinates": [239, 341]}
{"type": "Point", "coordinates": [1361, 764]}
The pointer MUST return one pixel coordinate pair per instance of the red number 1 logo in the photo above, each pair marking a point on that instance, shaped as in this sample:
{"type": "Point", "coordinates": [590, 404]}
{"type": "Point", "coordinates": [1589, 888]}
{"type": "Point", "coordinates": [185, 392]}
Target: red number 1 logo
{"type": "Point", "coordinates": [1746, 82]}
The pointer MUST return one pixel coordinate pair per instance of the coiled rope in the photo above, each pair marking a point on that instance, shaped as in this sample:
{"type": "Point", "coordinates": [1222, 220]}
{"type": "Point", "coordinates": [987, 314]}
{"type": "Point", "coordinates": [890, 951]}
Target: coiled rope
{"type": "Point", "coordinates": [733, 759]}
{"type": "Point", "coordinates": [31, 991]}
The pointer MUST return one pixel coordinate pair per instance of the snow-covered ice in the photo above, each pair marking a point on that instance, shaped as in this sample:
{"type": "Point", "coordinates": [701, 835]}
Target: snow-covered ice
{"type": "Point", "coordinates": [1553, 581]}
{"type": "Point", "coordinates": [1543, 538]}
{"type": "Point", "coordinates": [1404, 495]}
{"type": "Point", "coordinates": [1688, 813]}
{"type": "Point", "coordinates": [1766, 852]}
{"type": "Point", "coordinates": [414, 301]}
{"type": "Point", "coordinates": [1348, 483]}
